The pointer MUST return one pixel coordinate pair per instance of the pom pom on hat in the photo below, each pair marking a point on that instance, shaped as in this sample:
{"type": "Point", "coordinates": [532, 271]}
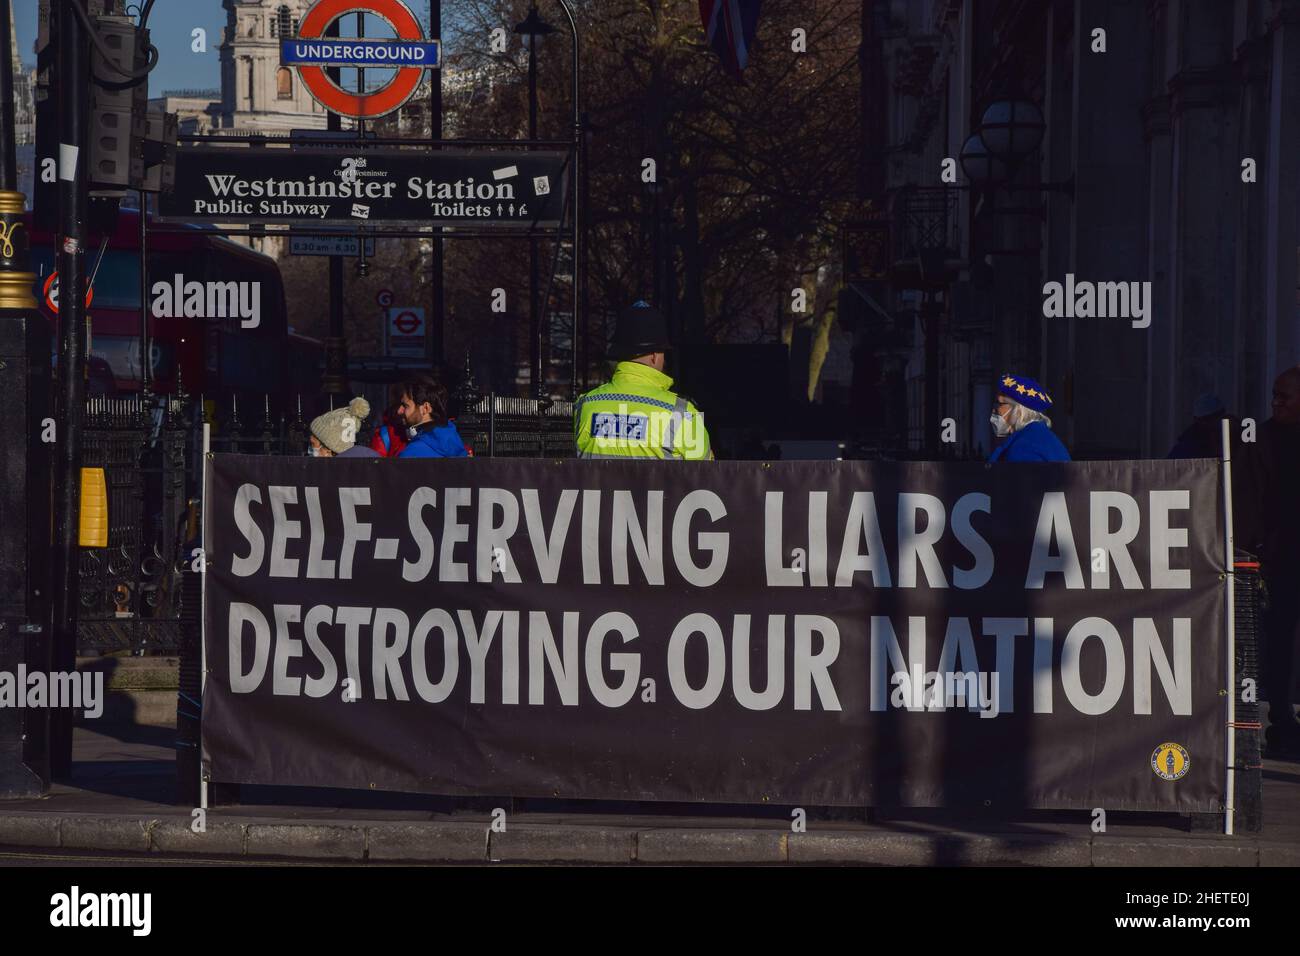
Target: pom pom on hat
{"type": "Point", "coordinates": [337, 430]}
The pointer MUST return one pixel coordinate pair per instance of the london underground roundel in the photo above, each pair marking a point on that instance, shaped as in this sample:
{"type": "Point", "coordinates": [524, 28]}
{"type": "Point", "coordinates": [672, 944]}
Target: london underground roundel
{"type": "Point", "coordinates": [409, 55]}
{"type": "Point", "coordinates": [51, 292]}
{"type": "Point", "coordinates": [407, 322]}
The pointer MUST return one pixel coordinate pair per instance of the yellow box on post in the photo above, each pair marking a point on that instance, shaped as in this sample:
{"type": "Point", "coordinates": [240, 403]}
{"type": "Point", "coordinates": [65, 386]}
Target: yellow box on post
{"type": "Point", "coordinates": [93, 526]}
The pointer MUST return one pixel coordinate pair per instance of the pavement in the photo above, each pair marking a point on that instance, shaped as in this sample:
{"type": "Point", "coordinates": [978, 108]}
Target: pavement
{"type": "Point", "coordinates": [119, 802]}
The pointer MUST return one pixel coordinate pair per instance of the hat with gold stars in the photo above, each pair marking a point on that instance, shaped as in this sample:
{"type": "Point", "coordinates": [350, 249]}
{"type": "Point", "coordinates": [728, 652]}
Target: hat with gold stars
{"type": "Point", "coordinates": [1023, 389]}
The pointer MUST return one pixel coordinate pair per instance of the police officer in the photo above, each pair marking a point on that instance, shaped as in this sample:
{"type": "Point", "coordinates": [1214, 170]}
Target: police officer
{"type": "Point", "coordinates": [636, 415]}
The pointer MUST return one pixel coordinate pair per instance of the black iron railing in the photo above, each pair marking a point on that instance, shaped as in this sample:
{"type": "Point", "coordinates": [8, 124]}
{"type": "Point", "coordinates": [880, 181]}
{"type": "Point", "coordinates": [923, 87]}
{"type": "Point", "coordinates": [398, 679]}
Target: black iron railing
{"type": "Point", "coordinates": [129, 590]}
{"type": "Point", "coordinates": [505, 426]}
{"type": "Point", "coordinates": [1249, 605]}
{"type": "Point", "coordinates": [151, 453]}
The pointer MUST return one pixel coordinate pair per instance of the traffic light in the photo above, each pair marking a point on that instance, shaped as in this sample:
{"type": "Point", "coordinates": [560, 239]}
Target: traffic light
{"type": "Point", "coordinates": [118, 105]}
{"type": "Point", "coordinates": [159, 152]}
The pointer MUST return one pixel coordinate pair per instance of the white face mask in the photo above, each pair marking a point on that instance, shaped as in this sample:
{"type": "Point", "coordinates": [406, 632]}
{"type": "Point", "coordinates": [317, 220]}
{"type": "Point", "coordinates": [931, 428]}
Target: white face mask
{"type": "Point", "coordinates": [1001, 427]}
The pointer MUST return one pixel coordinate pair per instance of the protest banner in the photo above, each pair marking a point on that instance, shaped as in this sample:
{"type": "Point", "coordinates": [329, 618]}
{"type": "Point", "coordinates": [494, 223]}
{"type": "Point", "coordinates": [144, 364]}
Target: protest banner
{"type": "Point", "coordinates": [824, 633]}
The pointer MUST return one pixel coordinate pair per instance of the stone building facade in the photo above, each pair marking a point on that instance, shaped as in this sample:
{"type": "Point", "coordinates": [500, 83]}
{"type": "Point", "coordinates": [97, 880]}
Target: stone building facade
{"type": "Point", "coordinates": [197, 111]}
{"type": "Point", "coordinates": [1172, 157]}
{"type": "Point", "coordinates": [257, 93]}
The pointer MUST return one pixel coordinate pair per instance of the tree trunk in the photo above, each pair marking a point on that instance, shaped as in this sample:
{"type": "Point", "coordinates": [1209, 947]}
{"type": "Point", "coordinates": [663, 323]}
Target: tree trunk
{"type": "Point", "coordinates": [872, 86]}
{"type": "Point", "coordinates": [693, 279]}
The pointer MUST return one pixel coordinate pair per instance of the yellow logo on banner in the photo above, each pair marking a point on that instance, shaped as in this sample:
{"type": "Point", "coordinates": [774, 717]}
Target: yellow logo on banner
{"type": "Point", "coordinates": [1170, 761]}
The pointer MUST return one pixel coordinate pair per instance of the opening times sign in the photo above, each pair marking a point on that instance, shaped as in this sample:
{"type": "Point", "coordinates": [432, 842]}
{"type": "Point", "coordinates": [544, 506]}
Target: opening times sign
{"type": "Point", "coordinates": [278, 185]}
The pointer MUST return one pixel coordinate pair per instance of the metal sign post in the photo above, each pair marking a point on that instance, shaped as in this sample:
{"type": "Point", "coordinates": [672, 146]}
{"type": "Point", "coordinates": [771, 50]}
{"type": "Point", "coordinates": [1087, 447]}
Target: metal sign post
{"type": "Point", "coordinates": [1230, 614]}
{"type": "Point", "coordinates": [203, 608]}
{"type": "Point", "coordinates": [74, 89]}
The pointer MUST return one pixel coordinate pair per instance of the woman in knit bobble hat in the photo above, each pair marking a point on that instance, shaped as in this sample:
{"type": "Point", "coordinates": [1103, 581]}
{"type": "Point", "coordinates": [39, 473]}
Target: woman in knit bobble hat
{"type": "Point", "coordinates": [334, 434]}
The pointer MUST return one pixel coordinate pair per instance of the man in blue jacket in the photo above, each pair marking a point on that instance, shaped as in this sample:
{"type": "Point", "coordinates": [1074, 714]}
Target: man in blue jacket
{"type": "Point", "coordinates": [1019, 418]}
{"type": "Point", "coordinates": [424, 411]}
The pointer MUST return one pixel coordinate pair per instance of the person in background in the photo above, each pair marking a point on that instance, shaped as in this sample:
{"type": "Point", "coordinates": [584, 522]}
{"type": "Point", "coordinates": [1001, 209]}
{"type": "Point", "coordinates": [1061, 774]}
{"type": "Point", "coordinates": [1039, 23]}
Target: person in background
{"type": "Point", "coordinates": [1276, 464]}
{"type": "Point", "coordinates": [636, 415]}
{"type": "Point", "coordinates": [334, 434]}
{"type": "Point", "coordinates": [390, 437]}
{"type": "Point", "coordinates": [423, 410]}
{"type": "Point", "coordinates": [1019, 418]}
{"type": "Point", "coordinates": [1201, 438]}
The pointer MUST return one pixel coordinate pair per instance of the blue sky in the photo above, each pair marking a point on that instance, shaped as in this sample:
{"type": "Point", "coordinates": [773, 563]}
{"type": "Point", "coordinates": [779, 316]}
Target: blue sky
{"type": "Point", "coordinates": [170, 23]}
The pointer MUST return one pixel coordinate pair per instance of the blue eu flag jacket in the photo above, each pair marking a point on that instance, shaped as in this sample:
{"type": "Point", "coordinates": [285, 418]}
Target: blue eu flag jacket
{"type": "Point", "coordinates": [1034, 442]}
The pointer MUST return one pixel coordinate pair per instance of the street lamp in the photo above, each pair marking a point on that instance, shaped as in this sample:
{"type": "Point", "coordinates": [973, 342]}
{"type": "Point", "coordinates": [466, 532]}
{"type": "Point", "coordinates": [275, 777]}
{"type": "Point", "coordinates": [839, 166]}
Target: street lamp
{"type": "Point", "coordinates": [1011, 129]}
{"type": "Point", "coordinates": [1009, 132]}
{"type": "Point", "coordinates": [981, 167]}
{"type": "Point", "coordinates": [533, 27]}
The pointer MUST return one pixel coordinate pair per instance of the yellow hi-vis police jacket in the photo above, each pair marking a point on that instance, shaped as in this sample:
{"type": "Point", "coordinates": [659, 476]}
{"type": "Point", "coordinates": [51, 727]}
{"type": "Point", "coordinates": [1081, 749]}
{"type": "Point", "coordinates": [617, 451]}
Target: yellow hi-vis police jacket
{"type": "Point", "coordinates": [634, 415]}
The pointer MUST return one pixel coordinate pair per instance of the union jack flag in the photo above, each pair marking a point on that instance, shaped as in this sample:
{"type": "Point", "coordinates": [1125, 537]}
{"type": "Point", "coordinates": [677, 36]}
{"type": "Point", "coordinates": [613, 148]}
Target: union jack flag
{"type": "Point", "coordinates": [729, 26]}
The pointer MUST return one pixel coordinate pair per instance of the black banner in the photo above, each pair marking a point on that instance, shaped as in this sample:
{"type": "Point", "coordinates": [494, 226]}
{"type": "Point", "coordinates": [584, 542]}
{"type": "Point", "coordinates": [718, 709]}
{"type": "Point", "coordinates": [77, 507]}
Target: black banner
{"type": "Point", "coordinates": [813, 633]}
{"type": "Point", "coordinates": [313, 186]}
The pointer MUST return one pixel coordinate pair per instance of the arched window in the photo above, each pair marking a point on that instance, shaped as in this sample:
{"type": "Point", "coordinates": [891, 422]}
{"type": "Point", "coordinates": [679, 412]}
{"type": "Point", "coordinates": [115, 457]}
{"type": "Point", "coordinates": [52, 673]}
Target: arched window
{"type": "Point", "coordinates": [287, 27]}
{"type": "Point", "coordinates": [284, 83]}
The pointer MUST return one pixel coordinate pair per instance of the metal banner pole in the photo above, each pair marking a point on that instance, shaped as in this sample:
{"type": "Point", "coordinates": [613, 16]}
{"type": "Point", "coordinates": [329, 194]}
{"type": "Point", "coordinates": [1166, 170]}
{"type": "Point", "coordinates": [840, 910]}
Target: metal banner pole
{"type": "Point", "coordinates": [203, 606]}
{"type": "Point", "coordinates": [1231, 613]}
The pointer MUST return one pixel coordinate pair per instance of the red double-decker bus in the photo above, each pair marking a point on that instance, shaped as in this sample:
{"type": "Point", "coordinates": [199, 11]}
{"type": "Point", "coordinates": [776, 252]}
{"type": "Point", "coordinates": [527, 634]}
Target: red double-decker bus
{"type": "Point", "coordinates": [208, 355]}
